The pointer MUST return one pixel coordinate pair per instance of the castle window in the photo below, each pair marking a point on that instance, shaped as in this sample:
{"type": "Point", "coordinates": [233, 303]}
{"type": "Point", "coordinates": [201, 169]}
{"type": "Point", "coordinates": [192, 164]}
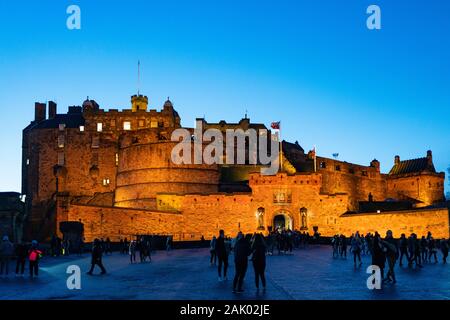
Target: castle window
{"type": "Point", "coordinates": [364, 173]}
{"type": "Point", "coordinates": [62, 126]}
{"type": "Point", "coordinates": [117, 159]}
{"type": "Point", "coordinates": [323, 165]}
{"type": "Point", "coordinates": [154, 124]}
{"type": "Point", "coordinates": [141, 123]}
{"type": "Point", "coordinates": [338, 168]}
{"type": "Point", "coordinates": [106, 182]}
{"type": "Point", "coordinates": [81, 128]}
{"type": "Point", "coordinates": [126, 125]}
{"type": "Point", "coordinates": [61, 141]}
{"type": "Point", "coordinates": [113, 123]}
{"type": "Point", "coordinates": [28, 162]}
{"type": "Point", "coordinates": [60, 158]}
{"type": "Point", "coordinates": [351, 170]}
{"type": "Point", "coordinates": [99, 127]}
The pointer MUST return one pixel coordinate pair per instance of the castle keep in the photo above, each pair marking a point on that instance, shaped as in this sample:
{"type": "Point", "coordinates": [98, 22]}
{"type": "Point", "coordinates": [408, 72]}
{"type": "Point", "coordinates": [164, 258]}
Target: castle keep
{"type": "Point", "coordinates": [111, 170]}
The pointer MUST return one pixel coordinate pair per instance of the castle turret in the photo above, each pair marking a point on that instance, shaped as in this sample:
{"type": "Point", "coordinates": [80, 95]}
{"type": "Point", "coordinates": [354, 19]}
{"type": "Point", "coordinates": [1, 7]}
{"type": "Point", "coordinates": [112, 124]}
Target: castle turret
{"type": "Point", "coordinates": [430, 158]}
{"type": "Point", "coordinates": [139, 102]}
{"type": "Point", "coordinates": [397, 160]}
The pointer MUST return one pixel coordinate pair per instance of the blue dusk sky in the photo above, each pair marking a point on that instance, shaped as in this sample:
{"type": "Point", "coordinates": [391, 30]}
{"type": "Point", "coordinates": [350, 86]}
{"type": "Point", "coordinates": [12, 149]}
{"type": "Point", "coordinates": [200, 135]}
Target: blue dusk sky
{"type": "Point", "coordinates": [313, 65]}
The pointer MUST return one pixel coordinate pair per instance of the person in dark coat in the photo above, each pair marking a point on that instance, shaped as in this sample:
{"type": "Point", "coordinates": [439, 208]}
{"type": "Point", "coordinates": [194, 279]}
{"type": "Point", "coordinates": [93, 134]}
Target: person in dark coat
{"type": "Point", "coordinates": [222, 255]}
{"type": "Point", "coordinates": [241, 253]}
{"type": "Point", "coordinates": [444, 250]}
{"type": "Point", "coordinates": [259, 260]}
{"type": "Point", "coordinates": [391, 255]}
{"type": "Point", "coordinates": [404, 249]}
{"type": "Point", "coordinates": [21, 256]}
{"type": "Point", "coordinates": [97, 252]}
{"type": "Point", "coordinates": [378, 256]}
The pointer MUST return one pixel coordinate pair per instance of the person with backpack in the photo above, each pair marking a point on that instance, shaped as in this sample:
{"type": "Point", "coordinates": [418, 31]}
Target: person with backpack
{"type": "Point", "coordinates": [34, 255]}
{"type": "Point", "coordinates": [97, 253]}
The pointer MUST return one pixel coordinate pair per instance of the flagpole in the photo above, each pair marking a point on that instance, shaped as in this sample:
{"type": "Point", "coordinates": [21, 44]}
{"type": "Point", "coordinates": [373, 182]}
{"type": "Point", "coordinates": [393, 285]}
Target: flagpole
{"type": "Point", "coordinates": [315, 159]}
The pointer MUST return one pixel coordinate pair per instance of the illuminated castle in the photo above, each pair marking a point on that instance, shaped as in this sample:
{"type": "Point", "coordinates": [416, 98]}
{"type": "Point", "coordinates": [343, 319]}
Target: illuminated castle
{"type": "Point", "coordinates": [112, 171]}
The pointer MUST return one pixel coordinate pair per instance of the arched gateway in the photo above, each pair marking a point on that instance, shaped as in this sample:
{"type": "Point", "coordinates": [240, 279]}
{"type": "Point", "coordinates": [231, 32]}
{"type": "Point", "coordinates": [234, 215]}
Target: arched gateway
{"type": "Point", "coordinates": [282, 220]}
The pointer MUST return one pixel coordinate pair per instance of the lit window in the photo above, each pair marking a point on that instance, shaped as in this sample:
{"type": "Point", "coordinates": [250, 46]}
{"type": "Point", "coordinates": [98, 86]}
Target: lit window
{"type": "Point", "coordinates": [106, 182]}
{"type": "Point", "coordinates": [81, 128]}
{"type": "Point", "coordinates": [61, 141]}
{"type": "Point", "coordinates": [28, 162]}
{"type": "Point", "coordinates": [154, 124]}
{"type": "Point", "coordinates": [323, 165]}
{"type": "Point", "coordinates": [62, 126]}
{"type": "Point", "coordinates": [117, 159]}
{"type": "Point", "coordinates": [99, 127]}
{"type": "Point", "coordinates": [60, 158]}
{"type": "Point", "coordinates": [127, 125]}
{"type": "Point", "coordinates": [141, 123]}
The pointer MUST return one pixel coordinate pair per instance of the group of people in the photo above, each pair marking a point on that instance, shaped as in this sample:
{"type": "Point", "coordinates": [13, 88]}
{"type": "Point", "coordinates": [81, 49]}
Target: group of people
{"type": "Point", "coordinates": [24, 253]}
{"type": "Point", "coordinates": [63, 247]}
{"type": "Point", "coordinates": [286, 240]}
{"type": "Point", "coordinates": [388, 250]}
{"type": "Point", "coordinates": [144, 247]}
{"type": "Point", "coordinates": [242, 247]}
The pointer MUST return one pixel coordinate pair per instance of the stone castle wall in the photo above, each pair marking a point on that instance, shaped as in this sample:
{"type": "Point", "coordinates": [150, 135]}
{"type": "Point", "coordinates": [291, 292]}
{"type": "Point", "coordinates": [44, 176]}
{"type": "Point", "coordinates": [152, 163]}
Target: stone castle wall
{"type": "Point", "coordinates": [417, 221]}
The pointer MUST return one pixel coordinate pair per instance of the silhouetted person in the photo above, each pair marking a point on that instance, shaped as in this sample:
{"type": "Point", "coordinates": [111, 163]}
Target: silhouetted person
{"type": "Point", "coordinates": [241, 253]}
{"type": "Point", "coordinates": [6, 252]}
{"type": "Point", "coordinates": [97, 253]}
{"type": "Point", "coordinates": [34, 255]}
{"type": "Point", "coordinates": [212, 251]}
{"type": "Point", "coordinates": [378, 256]}
{"type": "Point", "coordinates": [21, 256]}
{"type": "Point", "coordinates": [132, 251]}
{"type": "Point", "coordinates": [391, 255]}
{"type": "Point", "coordinates": [259, 260]}
{"type": "Point", "coordinates": [444, 250]}
{"type": "Point", "coordinates": [222, 256]}
{"type": "Point", "coordinates": [403, 249]}
{"type": "Point", "coordinates": [356, 248]}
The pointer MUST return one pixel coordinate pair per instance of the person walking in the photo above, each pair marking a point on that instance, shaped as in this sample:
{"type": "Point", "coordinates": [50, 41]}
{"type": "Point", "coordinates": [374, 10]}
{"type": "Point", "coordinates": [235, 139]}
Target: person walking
{"type": "Point", "coordinates": [432, 250]}
{"type": "Point", "coordinates": [132, 251]}
{"type": "Point", "coordinates": [34, 255]}
{"type": "Point", "coordinates": [222, 256]}
{"type": "Point", "coordinates": [444, 249]}
{"type": "Point", "coordinates": [212, 251]}
{"type": "Point", "coordinates": [6, 252]}
{"type": "Point", "coordinates": [241, 253]}
{"type": "Point", "coordinates": [343, 246]}
{"type": "Point", "coordinates": [391, 255]}
{"type": "Point", "coordinates": [259, 260]}
{"type": "Point", "coordinates": [97, 253]}
{"type": "Point", "coordinates": [378, 255]}
{"type": "Point", "coordinates": [21, 256]}
{"type": "Point", "coordinates": [403, 249]}
{"type": "Point", "coordinates": [356, 248]}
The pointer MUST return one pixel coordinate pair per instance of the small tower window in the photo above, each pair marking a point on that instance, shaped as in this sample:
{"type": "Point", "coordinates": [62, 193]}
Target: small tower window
{"type": "Point", "coordinates": [99, 127]}
{"type": "Point", "coordinates": [338, 168]}
{"type": "Point", "coordinates": [106, 182]}
{"type": "Point", "coordinates": [95, 142]}
{"type": "Point", "coordinates": [60, 158]}
{"type": "Point", "coordinates": [61, 139]}
{"type": "Point", "coordinates": [127, 125]}
{"type": "Point", "coordinates": [323, 165]}
{"type": "Point", "coordinates": [81, 128]}
{"type": "Point", "coordinates": [117, 159]}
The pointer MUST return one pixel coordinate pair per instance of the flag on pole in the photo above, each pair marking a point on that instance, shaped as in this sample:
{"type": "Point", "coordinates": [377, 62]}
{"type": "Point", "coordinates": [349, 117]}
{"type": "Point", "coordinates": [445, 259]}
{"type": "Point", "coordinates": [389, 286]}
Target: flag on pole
{"type": "Point", "coordinates": [275, 125]}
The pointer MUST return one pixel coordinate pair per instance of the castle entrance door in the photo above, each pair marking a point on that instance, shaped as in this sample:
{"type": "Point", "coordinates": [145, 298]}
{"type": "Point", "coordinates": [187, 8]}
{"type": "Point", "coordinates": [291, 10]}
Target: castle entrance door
{"type": "Point", "coordinates": [282, 221]}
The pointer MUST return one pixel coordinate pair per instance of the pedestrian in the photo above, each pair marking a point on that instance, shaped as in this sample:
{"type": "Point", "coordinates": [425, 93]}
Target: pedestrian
{"type": "Point", "coordinates": [108, 249]}
{"type": "Point", "coordinates": [21, 256]}
{"type": "Point", "coordinates": [391, 255]}
{"type": "Point", "coordinates": [34, 255]}
{"type": "Point", "coordinates": [241, 253]}
{"type": "Point", "coordinates": [378, 255]}
{"type": "Point", "coordinates": [132, 251]}
{"type": "Point", "coordinates": [343, 246]}
{"type": "Point", "coordinates": [222, 256]}
{"type": "Point", "coordinates": [403, 249]}
{"type": "Point", "coordinates": [444, 250]}
{"type": "Point", "coordinates": [97, 253]}
{"type": "Point", "coordinates": [259, 260]}
{"type": "Point", "coordinates": [169, 243]}
{"type": "Point", "coordinates": [335, 244]}
{"type": "Point", "coordinates": [6, 252]}
{"type": "Point", "coordinates": [212, 251]}
{"type": "Point", "coordinates": [432, 250]}
{"type": "Point", "coordinates": [424, 249]}
{"type": "Point", "coordinates": [356, 248]}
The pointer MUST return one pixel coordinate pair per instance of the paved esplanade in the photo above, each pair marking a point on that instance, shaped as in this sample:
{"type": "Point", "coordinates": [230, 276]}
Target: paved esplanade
{"type": "Point", "coordinates": [185, 274]}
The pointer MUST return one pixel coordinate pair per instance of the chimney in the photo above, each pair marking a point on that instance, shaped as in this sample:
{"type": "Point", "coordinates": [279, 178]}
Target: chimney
{"type": "Point", "coordinates": [39, 111]}
{"type": "Point", "coordinates": [51, 110]}
{"type": "Point", "coordinates": [430, 157]}
{"type": "Point", "coordinates": [375, 164]}
{"type": "Point", "coordinates": [397, 160]}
